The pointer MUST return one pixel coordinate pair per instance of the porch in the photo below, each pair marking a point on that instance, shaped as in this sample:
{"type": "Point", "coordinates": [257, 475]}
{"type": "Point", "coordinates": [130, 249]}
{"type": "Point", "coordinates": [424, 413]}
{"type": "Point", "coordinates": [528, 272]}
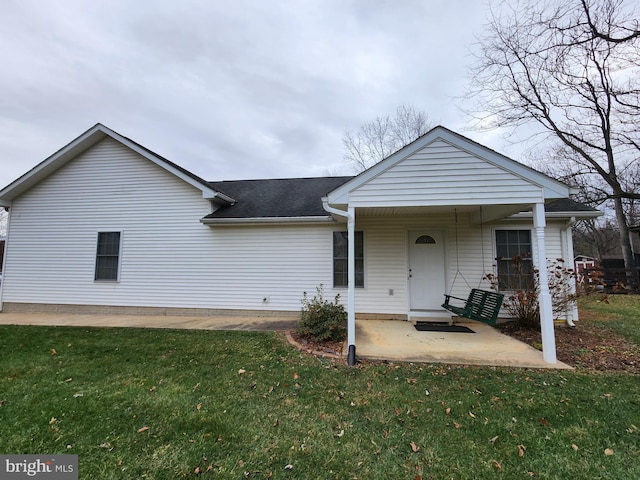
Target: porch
{"type": "Point", "coordinates": [395, 340]}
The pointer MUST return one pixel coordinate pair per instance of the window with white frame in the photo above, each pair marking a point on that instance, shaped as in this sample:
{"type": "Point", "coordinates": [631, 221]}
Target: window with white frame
{"type": "Point", "coordinates": [514, 260]}
{"type": "Point", "coordinates": [108, 256]}
{"type": "Point", "coordinates": [341, 259]}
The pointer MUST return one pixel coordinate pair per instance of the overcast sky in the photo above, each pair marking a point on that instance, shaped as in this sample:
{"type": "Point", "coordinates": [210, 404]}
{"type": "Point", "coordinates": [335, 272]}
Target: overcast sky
{"type": "Point", "coordinates": [234, 89]}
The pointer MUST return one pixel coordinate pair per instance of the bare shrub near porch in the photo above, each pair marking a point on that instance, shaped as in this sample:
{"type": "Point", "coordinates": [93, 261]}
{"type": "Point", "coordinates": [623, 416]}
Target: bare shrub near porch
{"type": "Point", "coordinates": [322, 320]}
{"type": "Point", "coordinates": [521, 301]}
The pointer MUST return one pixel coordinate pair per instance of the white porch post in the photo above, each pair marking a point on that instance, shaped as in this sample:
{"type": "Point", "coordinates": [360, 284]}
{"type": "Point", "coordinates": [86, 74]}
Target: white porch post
{"type": "Point", "coordinates": [351, 280]}
{"type": "Point", "coordinates": [546, 308]}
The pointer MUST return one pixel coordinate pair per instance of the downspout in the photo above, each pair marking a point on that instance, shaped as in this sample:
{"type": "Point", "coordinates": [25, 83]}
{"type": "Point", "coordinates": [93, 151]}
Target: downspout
{"type": "Point", "coordinates": [569, 251]}
{"type": "Point", "coordinates": [351, 277]}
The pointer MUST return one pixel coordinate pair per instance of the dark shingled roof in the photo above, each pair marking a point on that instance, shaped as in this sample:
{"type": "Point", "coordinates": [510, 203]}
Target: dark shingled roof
{"type": "Point", "coordinates": [301, 197]}
{"type": "Point", "coordinates": [286, 197]}
{"type": "Point", "coordinates": [568, 205]}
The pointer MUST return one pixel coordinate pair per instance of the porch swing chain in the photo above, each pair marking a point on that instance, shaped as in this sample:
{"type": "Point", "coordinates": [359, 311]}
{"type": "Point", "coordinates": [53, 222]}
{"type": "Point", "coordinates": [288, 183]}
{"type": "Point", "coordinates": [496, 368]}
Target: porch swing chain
{"type": "Point", "coordinates": [484, 272]}
{"type": "Point", "coordinates": [458, 272]}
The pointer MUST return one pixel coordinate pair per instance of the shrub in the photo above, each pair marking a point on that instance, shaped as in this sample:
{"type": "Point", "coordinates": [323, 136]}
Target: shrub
{"type": "Point", "coordinates": [521, 301]}
{"type": "Point", "coordinates": [322, 320]}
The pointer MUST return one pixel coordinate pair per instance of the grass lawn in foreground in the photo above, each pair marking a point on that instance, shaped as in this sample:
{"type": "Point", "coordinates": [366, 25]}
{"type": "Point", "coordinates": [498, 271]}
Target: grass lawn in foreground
{"type": "Point", "coordinates": [170, 404]}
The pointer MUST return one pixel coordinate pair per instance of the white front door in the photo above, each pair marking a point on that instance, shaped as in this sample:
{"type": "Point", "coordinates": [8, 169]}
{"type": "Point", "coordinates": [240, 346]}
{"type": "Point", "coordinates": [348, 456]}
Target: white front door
{"type": "Point", "coordinates": [427, 283]}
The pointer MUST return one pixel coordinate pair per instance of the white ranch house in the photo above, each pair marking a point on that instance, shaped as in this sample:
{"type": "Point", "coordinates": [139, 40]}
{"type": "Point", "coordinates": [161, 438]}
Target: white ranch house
{"type": "Point", "coordinates": [106, 225]}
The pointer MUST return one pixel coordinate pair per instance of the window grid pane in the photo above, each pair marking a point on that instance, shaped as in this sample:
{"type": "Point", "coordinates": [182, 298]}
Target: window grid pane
{"type": "Point", "coordinates": [341, 259]}
{"type": "Point", "coordinates": [515, 265]}
{"type": "Point", "coordinates": [107, 256]}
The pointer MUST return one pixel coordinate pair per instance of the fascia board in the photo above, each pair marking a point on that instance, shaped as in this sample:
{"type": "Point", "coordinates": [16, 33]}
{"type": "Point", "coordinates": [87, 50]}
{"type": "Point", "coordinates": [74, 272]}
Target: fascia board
{"type": "Point", "coordinates": [266, 221]}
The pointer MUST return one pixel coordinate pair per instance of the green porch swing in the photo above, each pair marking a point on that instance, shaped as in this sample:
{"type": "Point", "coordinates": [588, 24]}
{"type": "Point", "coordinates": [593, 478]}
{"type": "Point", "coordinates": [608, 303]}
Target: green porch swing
{"type": "Point", "coordinates": [481, 305]}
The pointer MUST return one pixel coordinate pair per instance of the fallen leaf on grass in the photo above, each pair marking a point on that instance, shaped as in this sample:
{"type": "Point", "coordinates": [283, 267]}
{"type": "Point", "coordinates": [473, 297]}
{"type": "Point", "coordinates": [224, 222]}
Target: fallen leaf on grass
{"type": "Point", "coordinates": [53, 420]}
{"type": "Point", "coordinates": [608, 451]}
{"type": "Point", "coordinates": [296, 376]}
{"type": "Point", "coordinates": [472, 415]}
{"type": "Point", "coordinates": [414, 447]}
{"type": "Point", "coordinates": [53, 351]}
{"type": "Point", "coordinates": [497, 465]}
{"type": "Point", "coordinates": [199, 406]}
{"type": "Point", "coordinates": [521, 449]}
{"type": "Point", "coordinates": [493, 440]}
{"type": "Point", "coordinates": [575, 447]}
{"type": "Point", "coordinates": [456, 424]}
{"type": "Point", "coordinates": [340, 434]}
{"type": "Point", "coordinates": [448, 410]}
{"type": "Point", "coordinates": [544, 422]}
{"type": "Point", "coordinates": [143, 429]}
{"type": "Point", "coordinates": [288, 467]}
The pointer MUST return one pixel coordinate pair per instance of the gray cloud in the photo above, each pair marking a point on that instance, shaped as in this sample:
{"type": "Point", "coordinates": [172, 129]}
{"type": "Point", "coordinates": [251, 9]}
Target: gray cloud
{"type": "Point", "coordinates": [242, 89]}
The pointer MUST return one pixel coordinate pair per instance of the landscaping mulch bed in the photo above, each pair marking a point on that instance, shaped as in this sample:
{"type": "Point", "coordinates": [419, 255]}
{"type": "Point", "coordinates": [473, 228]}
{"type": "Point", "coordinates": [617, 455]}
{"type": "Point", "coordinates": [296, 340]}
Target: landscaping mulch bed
{"type": "Point", "coordinates": [585, 346]}
{"type": "Point", "coordinates": [319, 349]}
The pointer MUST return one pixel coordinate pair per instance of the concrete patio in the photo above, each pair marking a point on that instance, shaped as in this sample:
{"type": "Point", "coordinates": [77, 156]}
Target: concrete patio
{"type": "Point", "coordinates": [400, 341]}
{"type": "Point", "coordinates": [391, 340]}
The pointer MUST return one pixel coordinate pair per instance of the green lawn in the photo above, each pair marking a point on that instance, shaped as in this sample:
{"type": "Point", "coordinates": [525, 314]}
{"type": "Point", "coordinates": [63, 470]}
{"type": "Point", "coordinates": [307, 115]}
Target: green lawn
{"type": "Point", "coordinates": [167, 404]}
{"type": "Point", "coordinates": [619, 313]}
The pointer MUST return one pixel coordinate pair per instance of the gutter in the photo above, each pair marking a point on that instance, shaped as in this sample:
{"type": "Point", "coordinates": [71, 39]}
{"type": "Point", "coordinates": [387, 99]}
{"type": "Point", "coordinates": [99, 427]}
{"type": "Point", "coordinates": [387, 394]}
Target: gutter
{"type": "Point", "coordinates": [351, 295]}
{"type": "Point", "coordinates": [266, 220]}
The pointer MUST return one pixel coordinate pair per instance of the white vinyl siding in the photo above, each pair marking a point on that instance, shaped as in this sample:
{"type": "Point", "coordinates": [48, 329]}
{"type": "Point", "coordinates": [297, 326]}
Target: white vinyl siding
{"type": "Point", "coordinates": [441, 174]}
{"type": "Point", "coordinates": [168, 259]}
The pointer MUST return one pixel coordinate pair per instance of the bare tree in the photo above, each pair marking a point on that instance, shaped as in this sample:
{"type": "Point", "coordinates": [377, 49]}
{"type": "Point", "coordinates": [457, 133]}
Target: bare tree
{"type": "Point", "coordinates": [571, 67]}
{"type": "Point", "coordinates": [379, 138]}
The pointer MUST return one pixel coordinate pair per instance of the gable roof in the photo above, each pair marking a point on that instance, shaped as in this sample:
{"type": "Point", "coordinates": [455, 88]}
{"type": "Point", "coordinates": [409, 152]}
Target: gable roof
{"type": "Point", "coordinates": [275, 199]}
{"type": "Point", "coordinates": [91, 137]}
{"type": "Point", "coordinates": [550, 187]}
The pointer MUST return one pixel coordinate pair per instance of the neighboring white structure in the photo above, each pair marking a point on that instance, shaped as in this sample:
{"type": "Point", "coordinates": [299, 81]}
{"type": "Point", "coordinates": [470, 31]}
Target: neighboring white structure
{"type": "Point", "coordinates": [106, 224]}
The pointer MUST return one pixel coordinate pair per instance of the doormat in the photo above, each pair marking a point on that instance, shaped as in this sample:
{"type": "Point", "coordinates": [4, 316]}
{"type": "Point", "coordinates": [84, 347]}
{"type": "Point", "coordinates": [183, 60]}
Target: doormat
{"type": "Point", "coordinates": [441, 327]}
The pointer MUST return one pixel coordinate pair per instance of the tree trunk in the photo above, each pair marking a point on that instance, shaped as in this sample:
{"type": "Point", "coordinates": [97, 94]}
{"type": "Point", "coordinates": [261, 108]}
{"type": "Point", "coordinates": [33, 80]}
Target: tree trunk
{"type": "Point", "coordinates": [625, 242]}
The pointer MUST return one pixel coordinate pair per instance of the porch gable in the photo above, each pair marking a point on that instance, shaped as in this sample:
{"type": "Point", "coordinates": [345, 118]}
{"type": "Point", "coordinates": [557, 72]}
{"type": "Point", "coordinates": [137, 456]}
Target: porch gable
{"type": "Point", "coordinates": [444, 168]}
